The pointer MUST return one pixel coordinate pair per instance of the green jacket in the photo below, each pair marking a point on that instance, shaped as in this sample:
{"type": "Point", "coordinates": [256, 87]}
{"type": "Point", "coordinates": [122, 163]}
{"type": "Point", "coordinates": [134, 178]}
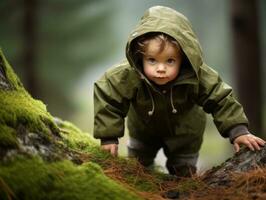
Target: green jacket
{"type": "Point", "coordinates": [172, 110]}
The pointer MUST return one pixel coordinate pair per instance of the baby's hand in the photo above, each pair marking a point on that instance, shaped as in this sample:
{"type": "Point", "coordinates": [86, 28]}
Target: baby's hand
{"type": "Point", "coordinates": [111, 148]}
{"type": "Point", "coordinates": [251, 141]}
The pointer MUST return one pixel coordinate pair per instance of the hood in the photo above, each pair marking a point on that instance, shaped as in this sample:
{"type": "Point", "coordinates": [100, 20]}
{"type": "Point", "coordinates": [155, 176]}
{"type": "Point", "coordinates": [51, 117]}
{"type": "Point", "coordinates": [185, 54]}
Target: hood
{"type": "Point", "coordinates": [166, 20]}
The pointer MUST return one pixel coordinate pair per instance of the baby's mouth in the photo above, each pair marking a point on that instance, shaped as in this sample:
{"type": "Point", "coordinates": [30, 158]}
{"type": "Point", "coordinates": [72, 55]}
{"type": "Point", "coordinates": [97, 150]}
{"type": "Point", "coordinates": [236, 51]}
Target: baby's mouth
{"type": "Point", "coordinates": [158, 77]}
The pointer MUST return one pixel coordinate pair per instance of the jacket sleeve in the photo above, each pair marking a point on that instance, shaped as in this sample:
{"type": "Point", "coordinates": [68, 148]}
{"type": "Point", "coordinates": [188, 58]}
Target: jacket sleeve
{"type": "Point", "coordinates": [112, 94]}
{"type": "Point", "coordinates": [216, 97]}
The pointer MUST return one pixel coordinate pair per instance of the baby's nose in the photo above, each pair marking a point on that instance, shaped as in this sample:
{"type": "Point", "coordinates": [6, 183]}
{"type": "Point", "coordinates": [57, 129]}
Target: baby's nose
{"type": "Point", "coordinates": [161, 68]}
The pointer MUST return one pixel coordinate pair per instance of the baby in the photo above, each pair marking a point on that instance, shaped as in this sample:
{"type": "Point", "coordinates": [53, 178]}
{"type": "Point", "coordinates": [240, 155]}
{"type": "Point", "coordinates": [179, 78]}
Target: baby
{"type": "Point", "coordinates": [164, 88]}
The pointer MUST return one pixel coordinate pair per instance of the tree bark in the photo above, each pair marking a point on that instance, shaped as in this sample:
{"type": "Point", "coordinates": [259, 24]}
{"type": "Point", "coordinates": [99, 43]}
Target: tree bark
{"type": "Point", "coordinates": [245, 30]}
{"type": "Point", "coordinates": [243, 161]}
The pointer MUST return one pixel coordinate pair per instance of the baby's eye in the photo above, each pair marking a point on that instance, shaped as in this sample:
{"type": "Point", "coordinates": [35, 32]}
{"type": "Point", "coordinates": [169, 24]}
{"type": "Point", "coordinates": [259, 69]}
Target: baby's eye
{"type": "Point", "coordinates": [151, 60]}
{"type": "Point", "coordinates": [171, 61]}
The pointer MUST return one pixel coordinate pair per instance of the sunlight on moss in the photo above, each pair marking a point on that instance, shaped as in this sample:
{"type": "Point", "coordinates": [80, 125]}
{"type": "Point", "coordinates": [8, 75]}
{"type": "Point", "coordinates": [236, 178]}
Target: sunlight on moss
{"type": "Point", "coordinates": [20, 108]}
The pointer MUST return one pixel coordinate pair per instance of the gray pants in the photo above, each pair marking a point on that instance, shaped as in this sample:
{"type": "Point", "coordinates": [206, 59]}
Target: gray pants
{"type": "Point", "coordinates": [181, 164]}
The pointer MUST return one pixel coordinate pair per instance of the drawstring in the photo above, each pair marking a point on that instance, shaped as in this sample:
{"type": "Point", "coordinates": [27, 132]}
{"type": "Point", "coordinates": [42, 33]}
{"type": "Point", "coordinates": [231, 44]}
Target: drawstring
{"type": "Point", "coordinates": [174, 111]}
{"type": "Point", "coordinates": [150, 113]}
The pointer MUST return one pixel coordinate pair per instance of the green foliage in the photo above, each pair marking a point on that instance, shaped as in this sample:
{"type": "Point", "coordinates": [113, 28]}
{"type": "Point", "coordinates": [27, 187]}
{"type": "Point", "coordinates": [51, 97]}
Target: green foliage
{"type": "Point", "coordinates": [34, 179]}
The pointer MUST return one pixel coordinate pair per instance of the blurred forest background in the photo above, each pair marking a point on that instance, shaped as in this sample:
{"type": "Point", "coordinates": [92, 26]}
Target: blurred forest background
{"type": "Point", "coordinates": [59, 48]}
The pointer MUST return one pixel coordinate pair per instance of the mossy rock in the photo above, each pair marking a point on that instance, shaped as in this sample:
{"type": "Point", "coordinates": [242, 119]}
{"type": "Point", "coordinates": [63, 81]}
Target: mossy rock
{"type": "Point", "coordinates": [42, 157]}
{"type": "Point", "coordinates": [20, 114]}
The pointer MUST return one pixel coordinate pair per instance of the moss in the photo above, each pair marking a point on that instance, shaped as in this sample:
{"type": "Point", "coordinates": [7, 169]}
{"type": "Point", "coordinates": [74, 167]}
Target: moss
{"type": "Point", "coordinates": [74, 138]}
{"type": "Point", "coordinates": [12, 78]}
{"type": "Point", "coordinates": [8, 137]}
{"type": "Point", "coordinates": [35, 179]}
{"type": "Point", "coordinates": [19, 108]}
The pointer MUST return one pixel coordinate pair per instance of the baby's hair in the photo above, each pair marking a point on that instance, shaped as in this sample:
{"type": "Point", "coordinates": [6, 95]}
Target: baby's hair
{"type": "Point", "coordinates": [140, 44]}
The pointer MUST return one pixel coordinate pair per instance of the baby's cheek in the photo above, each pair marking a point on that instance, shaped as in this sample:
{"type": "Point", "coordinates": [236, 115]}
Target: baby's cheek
{"type": "Point", "coordinates": [147, 71]}
{"type": "Point", "coordinates": [174, 73]}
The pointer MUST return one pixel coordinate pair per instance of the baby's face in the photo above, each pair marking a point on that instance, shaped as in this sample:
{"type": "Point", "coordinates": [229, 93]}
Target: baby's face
{"type": "Point", "coordinates": [163, 66]}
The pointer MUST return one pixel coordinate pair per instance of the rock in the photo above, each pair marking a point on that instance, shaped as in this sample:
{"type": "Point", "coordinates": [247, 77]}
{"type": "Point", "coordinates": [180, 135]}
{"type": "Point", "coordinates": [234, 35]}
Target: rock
{"type": "Point", "coordinates": [243, 161]}
{"type": "Point", "coordinates": [4, 83]}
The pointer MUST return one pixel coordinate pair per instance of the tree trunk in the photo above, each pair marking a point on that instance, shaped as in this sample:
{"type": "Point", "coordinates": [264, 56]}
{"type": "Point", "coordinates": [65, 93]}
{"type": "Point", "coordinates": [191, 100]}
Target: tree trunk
{"type": "Point", "coordinates": [30, 46]}
{"type": "Point", "coordinates": [243, 161]}
{"type": "Point", "coordinates": [245, 30]}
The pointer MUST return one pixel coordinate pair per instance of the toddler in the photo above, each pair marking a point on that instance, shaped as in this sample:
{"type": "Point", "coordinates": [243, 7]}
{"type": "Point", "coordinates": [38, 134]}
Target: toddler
{"type": "Point", "coordinates": [164, 88]}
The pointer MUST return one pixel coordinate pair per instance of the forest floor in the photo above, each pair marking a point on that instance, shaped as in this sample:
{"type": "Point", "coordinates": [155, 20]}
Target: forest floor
{"type": "Point", "coordinates": [149, 185]}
